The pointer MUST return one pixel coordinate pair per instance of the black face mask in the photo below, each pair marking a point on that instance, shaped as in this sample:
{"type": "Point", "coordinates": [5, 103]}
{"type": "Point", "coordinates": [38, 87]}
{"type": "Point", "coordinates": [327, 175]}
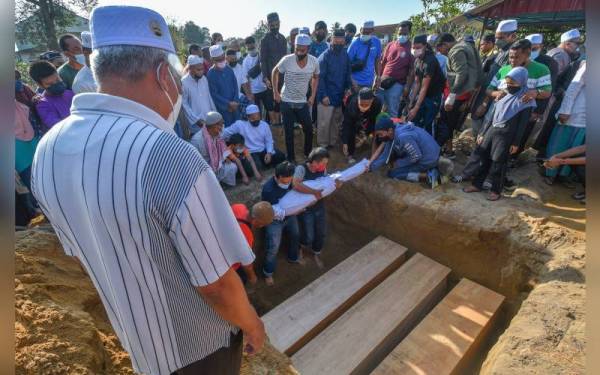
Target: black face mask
{"type": "Point", "coordinates": [337, 48]}
{"type": "Point", "coordinates": [255, 123]}
{"type": "Point", "coordinates": [198, 76]}
{"type": "Point", "coordinates": [513, 89]}
{"type": "Point", "coordinates": [301, 57]}
{"type": "Point", "coordinates": [320, 37]}
{"type": "Point", "coordinates": [232, 63]}
{"type": "Point", "coordinates": [274, 30]}
{"type": "Point", "coordinates": [57, 88]}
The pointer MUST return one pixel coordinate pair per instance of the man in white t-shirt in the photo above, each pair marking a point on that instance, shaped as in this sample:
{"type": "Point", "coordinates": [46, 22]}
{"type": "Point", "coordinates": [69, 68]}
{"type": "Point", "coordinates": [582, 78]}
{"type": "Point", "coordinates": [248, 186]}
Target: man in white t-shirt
{"type": "Point", "coordinates": [254, 75]}
{"type": "Point", "coordinates": [298, 69]}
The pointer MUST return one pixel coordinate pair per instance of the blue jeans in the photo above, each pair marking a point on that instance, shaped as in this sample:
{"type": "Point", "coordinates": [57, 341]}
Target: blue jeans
{"type": "Point", "coordinates": [427, 114]}
{"type": "Point", "coordinates": [314, 227]}
{"type": "Point", "coordinates": [273, 235]}
{"type": "Point", "coordinates": [410, 172]}
{"type": "Point", "coordinates": [391, 97]}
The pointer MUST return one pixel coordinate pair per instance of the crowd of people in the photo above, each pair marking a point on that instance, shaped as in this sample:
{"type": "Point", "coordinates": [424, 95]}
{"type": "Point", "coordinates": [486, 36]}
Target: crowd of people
{"type": "Point", "coordinates": [126, 151]}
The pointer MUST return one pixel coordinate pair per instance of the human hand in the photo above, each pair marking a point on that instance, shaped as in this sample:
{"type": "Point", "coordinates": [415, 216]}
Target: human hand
{"type": "Point", "coordinates": [326, 101]}
{"type": "Point", "coordinates": [255, 338]}
{"type": "Point", "coordinates": [318, 194]}
{"type": "Point", "coordinates": [345, 149]}
{"type": "Point", "coordinates": [554, 162]}
{"type": "Point", "coordinates": [258, 177]}
{"type": "Point", "coordinates": [412, 113]}
{"type": "Point", "coordinates": [499, 94]}
{"type": "Point", "coordinates": [267, 83]}
{"type": "Point", "coordinates": [245, 180]}
{"type": "Point", "coordinates": [481, 110]}
{"type": "Point", "coordinates": [448, 107]}
{"type": "Point", "coordinates": [563, 118]}
{"type": "Point", "coordinates": [338, 183]}
{"type": "Point", "coordinates": [268, 158]}
{"type": "Point", "coordinates": [277, 96]}
{"type": "Point", "coordinates": [479, 140]}
{"type": "Point", "coordinates": [514, 149]}
{"type": "Point", "coordinates": [311, 100]}
{"type": "Point", "coordinates": [529, 96]}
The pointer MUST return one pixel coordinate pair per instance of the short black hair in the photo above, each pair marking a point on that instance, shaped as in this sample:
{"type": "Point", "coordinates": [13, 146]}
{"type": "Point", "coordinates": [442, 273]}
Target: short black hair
{"type": "Point", "coordinates": [40, 70]}
{"type": "Point", "coordinates": [230, 52]}
{"type": "Point", "coordinates": [62, 41]}
{"type": "Point", "coordinates": [445, 38]}
{"type": "Point", "coordinates": [521, 44]}
{"type": "Point", "coordinates": [193, 47]}
{"type": "Point", "coordinates": [490, 38]}
{"type": "Point", "coordinates": [350, 27]}
{"type": "Point", "coordinates": [406, 24]}
{"type": "Point", "coordinates": [318, 154]}
{"type": "Point", "coordinates": [250, 40]}
{"type": "Point", "coordinates": [284, 169]}
{"type": "Point", "coordinates": [215, 35]}
{"type": "Point", "coordinates": [236, 139]}
{"type": "Point", "coordinates": [321, 25]}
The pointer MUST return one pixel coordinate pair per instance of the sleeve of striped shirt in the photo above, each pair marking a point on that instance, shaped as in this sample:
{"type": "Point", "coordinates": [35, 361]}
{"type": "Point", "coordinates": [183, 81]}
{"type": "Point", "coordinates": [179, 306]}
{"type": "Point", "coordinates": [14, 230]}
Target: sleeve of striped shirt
{"type": "Point", "coordinates": [206, 234]}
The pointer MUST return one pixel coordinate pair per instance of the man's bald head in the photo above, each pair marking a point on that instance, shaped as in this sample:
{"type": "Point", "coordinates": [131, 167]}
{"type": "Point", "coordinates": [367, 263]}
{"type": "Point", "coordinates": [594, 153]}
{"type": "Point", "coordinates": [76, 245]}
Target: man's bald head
{"type": "Point", "coordinates": [261, 214]}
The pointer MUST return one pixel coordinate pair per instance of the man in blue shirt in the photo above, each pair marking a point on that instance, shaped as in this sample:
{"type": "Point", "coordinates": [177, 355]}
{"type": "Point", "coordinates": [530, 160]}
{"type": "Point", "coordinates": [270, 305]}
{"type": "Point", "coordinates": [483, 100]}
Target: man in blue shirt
{"type": "Point", "coordinates": [223, 86]}
{"type": "Point", "coordinates": [273, 190]}
{"type": "Point", "coordinates": [319, 45]}
{"type": "Point", "coordinates": [365, 57]}
{"type": "Point", "coordinates": [414, 152]}
{"type": "Point", "coordinates": [334, 82]}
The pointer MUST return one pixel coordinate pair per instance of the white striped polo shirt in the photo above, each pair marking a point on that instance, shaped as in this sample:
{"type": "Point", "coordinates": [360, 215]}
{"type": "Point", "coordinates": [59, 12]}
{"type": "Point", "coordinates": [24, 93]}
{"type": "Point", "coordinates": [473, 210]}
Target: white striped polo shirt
{"type": "Point", "coordinates": [146, 216]}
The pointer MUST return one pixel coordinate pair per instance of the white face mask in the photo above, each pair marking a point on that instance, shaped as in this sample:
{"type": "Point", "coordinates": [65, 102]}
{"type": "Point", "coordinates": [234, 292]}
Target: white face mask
{"type": "Point", "coordinates": [365, 38]}
{"type": "Point", "coordinates": [283, 186]}
{"type": "Point", "coordinates": [402, 38]}
{"type": "Point", "coordinates": [253, 53]}
{"type": "Point", "coordinates": [80, 58]}
{"type": "Point", "coordinates": [534, 54]}
{"type": "Point", "coordinates": [172, 118]}
{"type": "Point", "coordinates": [238, 55]}
{"type": "Point", "coordinates": [221, 64]}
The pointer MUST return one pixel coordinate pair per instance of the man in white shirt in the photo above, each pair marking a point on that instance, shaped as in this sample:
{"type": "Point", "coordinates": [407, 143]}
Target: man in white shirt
{"type": "Point", "coordinates": [299, 70]}
{"type": "Point", "coordinates": [252, 71]}
{"type": "Point", "coordinates": [197, 101]}
{"type": "Point", "coordinates": [242, 80]}
{"type": "Point", "coordinates": [258, 138]}
{"type": "Point", "coordinates": [141, 210]}
{"type": "Point", "coordinates": [84, 80]}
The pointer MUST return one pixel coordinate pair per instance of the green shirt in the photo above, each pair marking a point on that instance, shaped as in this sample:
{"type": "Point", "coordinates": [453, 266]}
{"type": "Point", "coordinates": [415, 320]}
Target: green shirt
{"type": "Point", "coordinates": [67, 73]}
{"type": "Point", "coordinates": [539, 77]}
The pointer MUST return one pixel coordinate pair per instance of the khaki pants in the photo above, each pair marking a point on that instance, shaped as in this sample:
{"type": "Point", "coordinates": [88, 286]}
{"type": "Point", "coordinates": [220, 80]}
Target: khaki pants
{"type": "Point", "coordinates": [329, 121]}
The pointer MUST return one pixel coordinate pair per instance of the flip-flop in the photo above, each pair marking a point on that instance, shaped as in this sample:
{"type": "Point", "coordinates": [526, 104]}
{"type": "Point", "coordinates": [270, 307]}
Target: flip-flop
{"type": "Point", "coordinates": [493, 197]}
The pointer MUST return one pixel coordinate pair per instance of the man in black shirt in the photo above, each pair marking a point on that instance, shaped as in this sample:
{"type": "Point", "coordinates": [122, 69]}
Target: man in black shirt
{"type": "Point", "coordinates": [272, 48]}
{"type": "Point", "coordinates": [430, 84]}
{"type": "Point", "coordinates": [360, 114]}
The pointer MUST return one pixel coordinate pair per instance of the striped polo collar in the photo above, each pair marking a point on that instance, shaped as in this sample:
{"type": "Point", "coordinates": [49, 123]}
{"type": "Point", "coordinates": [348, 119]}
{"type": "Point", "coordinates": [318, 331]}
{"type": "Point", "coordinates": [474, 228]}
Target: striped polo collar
{"type": "Point", "coordinates": [119, 106]}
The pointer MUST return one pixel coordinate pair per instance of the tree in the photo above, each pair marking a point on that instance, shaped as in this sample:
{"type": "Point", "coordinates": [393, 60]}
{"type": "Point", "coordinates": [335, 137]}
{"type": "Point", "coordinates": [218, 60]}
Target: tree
{"type": "Point", "coordinates": [336, 25]}
{"type": "Point", "coordinates": [40, 21]}
{"type": "Point", "coordinates": [260, 31]}
{"type": "Point", "coordinates": [193, 33]}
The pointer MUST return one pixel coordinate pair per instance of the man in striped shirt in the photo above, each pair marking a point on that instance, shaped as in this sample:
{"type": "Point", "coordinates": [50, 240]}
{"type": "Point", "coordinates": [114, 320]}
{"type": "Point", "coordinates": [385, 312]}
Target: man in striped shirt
{"type": "Point", "coordinates": [143, 212]}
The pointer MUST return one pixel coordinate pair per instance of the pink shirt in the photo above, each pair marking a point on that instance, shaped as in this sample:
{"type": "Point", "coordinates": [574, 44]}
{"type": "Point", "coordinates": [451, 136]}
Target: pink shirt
{"type": "Point", "coordinates": [397, 61]}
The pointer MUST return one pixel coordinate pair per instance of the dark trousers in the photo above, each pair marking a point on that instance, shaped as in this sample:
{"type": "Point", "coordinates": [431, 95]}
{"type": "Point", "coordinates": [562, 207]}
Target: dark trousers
{"type": "Point", "coordinates": [349, 131]}
{"type": "Point", "coordinates": [314, 227]}
{"type": "Point", "coordinates": [265, 99]}
{"type": "Point", "coordinates": [259, 159]}
{"type": "Point", "coordinates": [292, 113]}
{"type": "Point", "coordinates": [453, 120]}
{"type": "Point", "coordinates": [523, 141]}
{"type": "Point", "coordinates": [224, 361]}
{"type": "Point", "coordinates": [544, 135]}
{"type": "Point", "coordinates": [247, 167]}
{"type": "Point", "coordinates": [493, 170]}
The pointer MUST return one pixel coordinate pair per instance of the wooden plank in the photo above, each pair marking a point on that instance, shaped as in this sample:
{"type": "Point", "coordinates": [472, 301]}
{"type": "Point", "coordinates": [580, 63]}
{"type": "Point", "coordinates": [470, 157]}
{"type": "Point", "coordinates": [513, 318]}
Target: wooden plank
{"type": "Point", "coordinates": [363, 336]}
{"type": "Point", "coordinates": [301, 317]}
{"type": "Point", "coordinates": [449, 336]}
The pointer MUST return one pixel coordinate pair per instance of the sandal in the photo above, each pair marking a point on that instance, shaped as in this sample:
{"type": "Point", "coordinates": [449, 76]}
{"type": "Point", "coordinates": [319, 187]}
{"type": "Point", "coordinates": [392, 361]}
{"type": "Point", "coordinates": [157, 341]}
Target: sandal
{"type": "Point", "coordinates": [471, 189]}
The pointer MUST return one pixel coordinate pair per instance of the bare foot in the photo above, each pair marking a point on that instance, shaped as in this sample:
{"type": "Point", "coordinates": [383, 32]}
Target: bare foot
{"type": "Point", "coordinates": [471, 189]}
{"type": "Point", "coordinates": [269, 280]}
{"type": "Point", "coordinates": [493, 196]}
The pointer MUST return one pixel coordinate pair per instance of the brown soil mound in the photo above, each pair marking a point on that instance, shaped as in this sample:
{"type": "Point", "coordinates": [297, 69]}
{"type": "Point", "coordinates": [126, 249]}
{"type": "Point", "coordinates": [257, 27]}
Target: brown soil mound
{"type": "Point", "coordinates": [61, 326]}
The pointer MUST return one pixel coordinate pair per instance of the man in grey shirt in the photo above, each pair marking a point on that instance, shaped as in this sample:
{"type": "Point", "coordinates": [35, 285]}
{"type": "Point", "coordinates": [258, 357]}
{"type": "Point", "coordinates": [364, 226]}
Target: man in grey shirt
{"type": "Point", "coordinates": [298, 70]}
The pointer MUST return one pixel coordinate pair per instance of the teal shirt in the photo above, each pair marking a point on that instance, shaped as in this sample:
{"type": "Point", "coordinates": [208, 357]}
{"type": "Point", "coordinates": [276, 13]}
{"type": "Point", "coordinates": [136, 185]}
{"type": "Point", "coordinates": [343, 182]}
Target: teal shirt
{"type": "Point", "coordinates": [24, 151]}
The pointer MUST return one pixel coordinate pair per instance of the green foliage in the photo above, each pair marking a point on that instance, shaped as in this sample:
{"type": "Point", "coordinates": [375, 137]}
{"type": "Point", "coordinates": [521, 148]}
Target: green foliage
{"type": "Point", "coordinates": [260, 31]}
{"type": "Point", "coordinates": [23, 68]}
{"type": "Point", "coordinates": [193, 33]}
{"type": "Point", "coordinates": [42, 21]}
{"type": "Point", "coordinates": [336, 25]}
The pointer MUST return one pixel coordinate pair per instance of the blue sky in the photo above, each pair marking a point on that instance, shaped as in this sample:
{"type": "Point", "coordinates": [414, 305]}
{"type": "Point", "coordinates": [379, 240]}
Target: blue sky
{"type": "Point", "coordinates": [240, 17]}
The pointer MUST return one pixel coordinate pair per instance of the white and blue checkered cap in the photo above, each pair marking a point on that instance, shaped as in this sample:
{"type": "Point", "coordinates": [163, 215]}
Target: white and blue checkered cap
{"type": "Point", "coordinates": [129, 25]}
{"type": "Point", "coordinates": [572, 34]}
{"type": "Point", "coordinates": [535, 38]}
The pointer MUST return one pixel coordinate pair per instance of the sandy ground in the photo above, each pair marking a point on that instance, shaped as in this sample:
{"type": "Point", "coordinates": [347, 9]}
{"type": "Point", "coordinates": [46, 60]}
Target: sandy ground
{"type": "Point", "coordinates": [530, 246]}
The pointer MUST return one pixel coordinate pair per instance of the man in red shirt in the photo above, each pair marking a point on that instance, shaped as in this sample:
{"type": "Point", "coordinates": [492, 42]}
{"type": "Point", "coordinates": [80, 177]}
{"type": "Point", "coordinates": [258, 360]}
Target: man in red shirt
{"type": "Point", "coordinates": [397, 66]}
{"type": "Point", "coordinates": [261, 216]}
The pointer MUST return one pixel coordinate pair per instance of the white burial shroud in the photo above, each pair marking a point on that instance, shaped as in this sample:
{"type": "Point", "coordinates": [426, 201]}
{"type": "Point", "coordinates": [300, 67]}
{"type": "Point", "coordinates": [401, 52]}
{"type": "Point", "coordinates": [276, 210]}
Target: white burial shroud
{"type": "Point", "coordinates": [294, 202]}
